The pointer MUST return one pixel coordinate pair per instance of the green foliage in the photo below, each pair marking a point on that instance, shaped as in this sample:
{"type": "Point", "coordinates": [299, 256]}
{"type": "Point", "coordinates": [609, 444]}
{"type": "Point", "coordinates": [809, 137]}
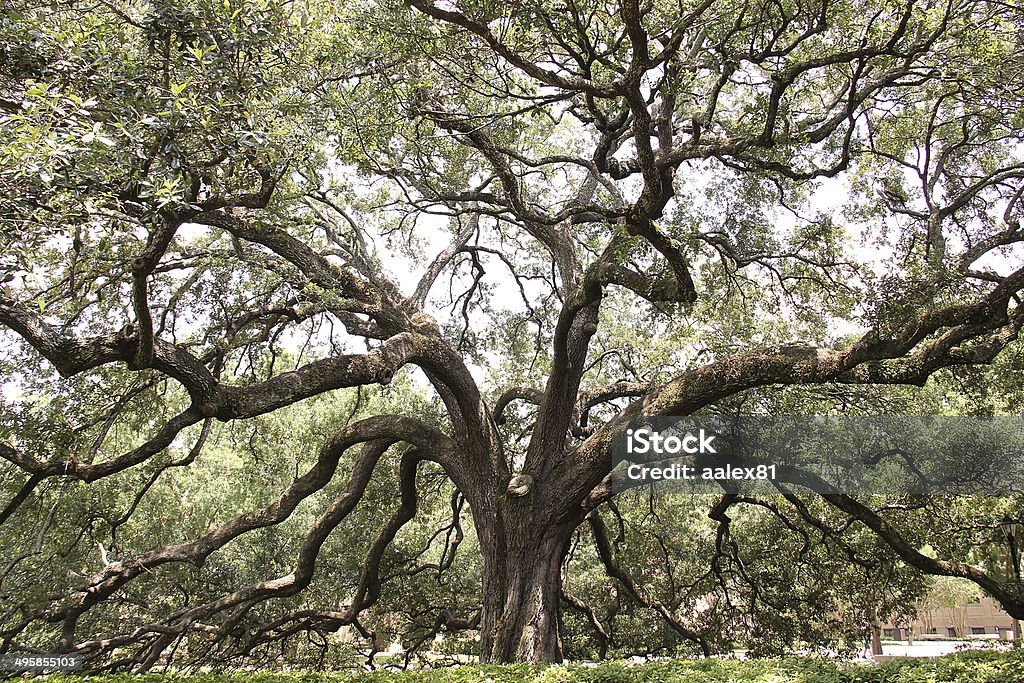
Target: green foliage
{"type": "Point", "coordinates": [119, 118]}
{"type": "Point", "coordinates": [968, 667]}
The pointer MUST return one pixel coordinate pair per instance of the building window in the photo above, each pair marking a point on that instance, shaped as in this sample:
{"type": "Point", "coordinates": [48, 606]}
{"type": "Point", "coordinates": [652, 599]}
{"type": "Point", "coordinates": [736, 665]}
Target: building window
{"type": "Point", "coordinates": [933, 630]}
{"type": "Point", "coordinates": [888, 633]}
{"type": "Point", "coordinates": [977, 630]}
{"type": "Point", "coordinates": [951, 632]}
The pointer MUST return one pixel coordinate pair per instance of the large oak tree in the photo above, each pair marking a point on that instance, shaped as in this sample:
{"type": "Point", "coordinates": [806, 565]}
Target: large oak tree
{"type": "Point", "coordinates": [215, 210]}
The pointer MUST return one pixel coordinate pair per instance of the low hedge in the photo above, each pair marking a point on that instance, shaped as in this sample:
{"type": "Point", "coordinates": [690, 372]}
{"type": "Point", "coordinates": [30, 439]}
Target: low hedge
{"type": "Point", "coordinates": [967, 667]}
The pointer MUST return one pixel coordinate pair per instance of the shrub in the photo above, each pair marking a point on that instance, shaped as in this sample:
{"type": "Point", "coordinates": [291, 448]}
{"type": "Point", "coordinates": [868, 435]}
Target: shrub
{"type": "Point", "coordinates": [967, 667]}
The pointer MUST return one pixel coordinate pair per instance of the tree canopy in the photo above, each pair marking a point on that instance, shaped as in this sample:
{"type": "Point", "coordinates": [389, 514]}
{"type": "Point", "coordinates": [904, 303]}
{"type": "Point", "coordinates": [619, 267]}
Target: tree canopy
{"type": "Point", "coordinates": [300, 298]}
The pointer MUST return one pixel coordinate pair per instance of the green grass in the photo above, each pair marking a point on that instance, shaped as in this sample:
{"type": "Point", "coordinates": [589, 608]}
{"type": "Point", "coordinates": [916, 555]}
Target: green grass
{"type": "Point", "coordinates": [968, 667]}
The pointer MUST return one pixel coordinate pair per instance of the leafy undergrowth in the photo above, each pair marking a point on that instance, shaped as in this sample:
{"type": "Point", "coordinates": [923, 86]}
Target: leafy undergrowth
{"type": "Point", "coordinates": [969, 667]}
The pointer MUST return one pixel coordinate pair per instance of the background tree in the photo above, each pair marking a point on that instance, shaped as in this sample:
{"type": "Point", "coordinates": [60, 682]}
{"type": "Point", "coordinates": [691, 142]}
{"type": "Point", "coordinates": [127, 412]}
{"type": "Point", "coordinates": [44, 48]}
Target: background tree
{"type": "Point", "coordinates": [542, 219]}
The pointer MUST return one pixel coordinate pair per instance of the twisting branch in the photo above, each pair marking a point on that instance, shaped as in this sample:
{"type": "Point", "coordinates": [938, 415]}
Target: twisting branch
{"type": "Point", "coordinates": [142, 267]}
{"type": "Point", "coordinates": [615, 570]}
{"type": "Point", "coordinates": [185, 461]}
{"type": "Point", "coordinates": [527, 394]}
{"type": "Point", "coordinates": [72, 355]}
{"type": "Point", "coordinates": [587, 611]}
{"type": "Point", "coordinates": [419, 297]}
{"type": "Point", "coordinates": [908, 551]}
{"type": "Point", "coordinates": [89, 472]}
{"type": "Point", "coordinates": [369, 587]}
{"type": "Point", "coordinates": [381, 428]}
{"type": "Point", "coordinates": [976, 333]}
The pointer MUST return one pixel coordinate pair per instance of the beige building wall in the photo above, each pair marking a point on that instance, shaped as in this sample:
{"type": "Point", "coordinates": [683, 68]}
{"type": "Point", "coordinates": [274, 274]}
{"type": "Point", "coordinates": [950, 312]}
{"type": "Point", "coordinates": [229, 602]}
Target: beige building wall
{"type": "Point", "coordinates": [979, 619]}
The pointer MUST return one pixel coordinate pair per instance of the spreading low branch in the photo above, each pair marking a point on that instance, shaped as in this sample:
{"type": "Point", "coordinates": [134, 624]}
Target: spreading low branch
{"type": "Point", "coordinates": [604, 550]}
{"type": "Point", "coordinates": [377, 429]}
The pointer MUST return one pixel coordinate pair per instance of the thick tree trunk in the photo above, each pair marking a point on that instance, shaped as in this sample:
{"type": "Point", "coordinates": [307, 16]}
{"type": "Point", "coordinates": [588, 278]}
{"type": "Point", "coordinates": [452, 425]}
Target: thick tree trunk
{"type": "Point", "coordinates": [521, 621]}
